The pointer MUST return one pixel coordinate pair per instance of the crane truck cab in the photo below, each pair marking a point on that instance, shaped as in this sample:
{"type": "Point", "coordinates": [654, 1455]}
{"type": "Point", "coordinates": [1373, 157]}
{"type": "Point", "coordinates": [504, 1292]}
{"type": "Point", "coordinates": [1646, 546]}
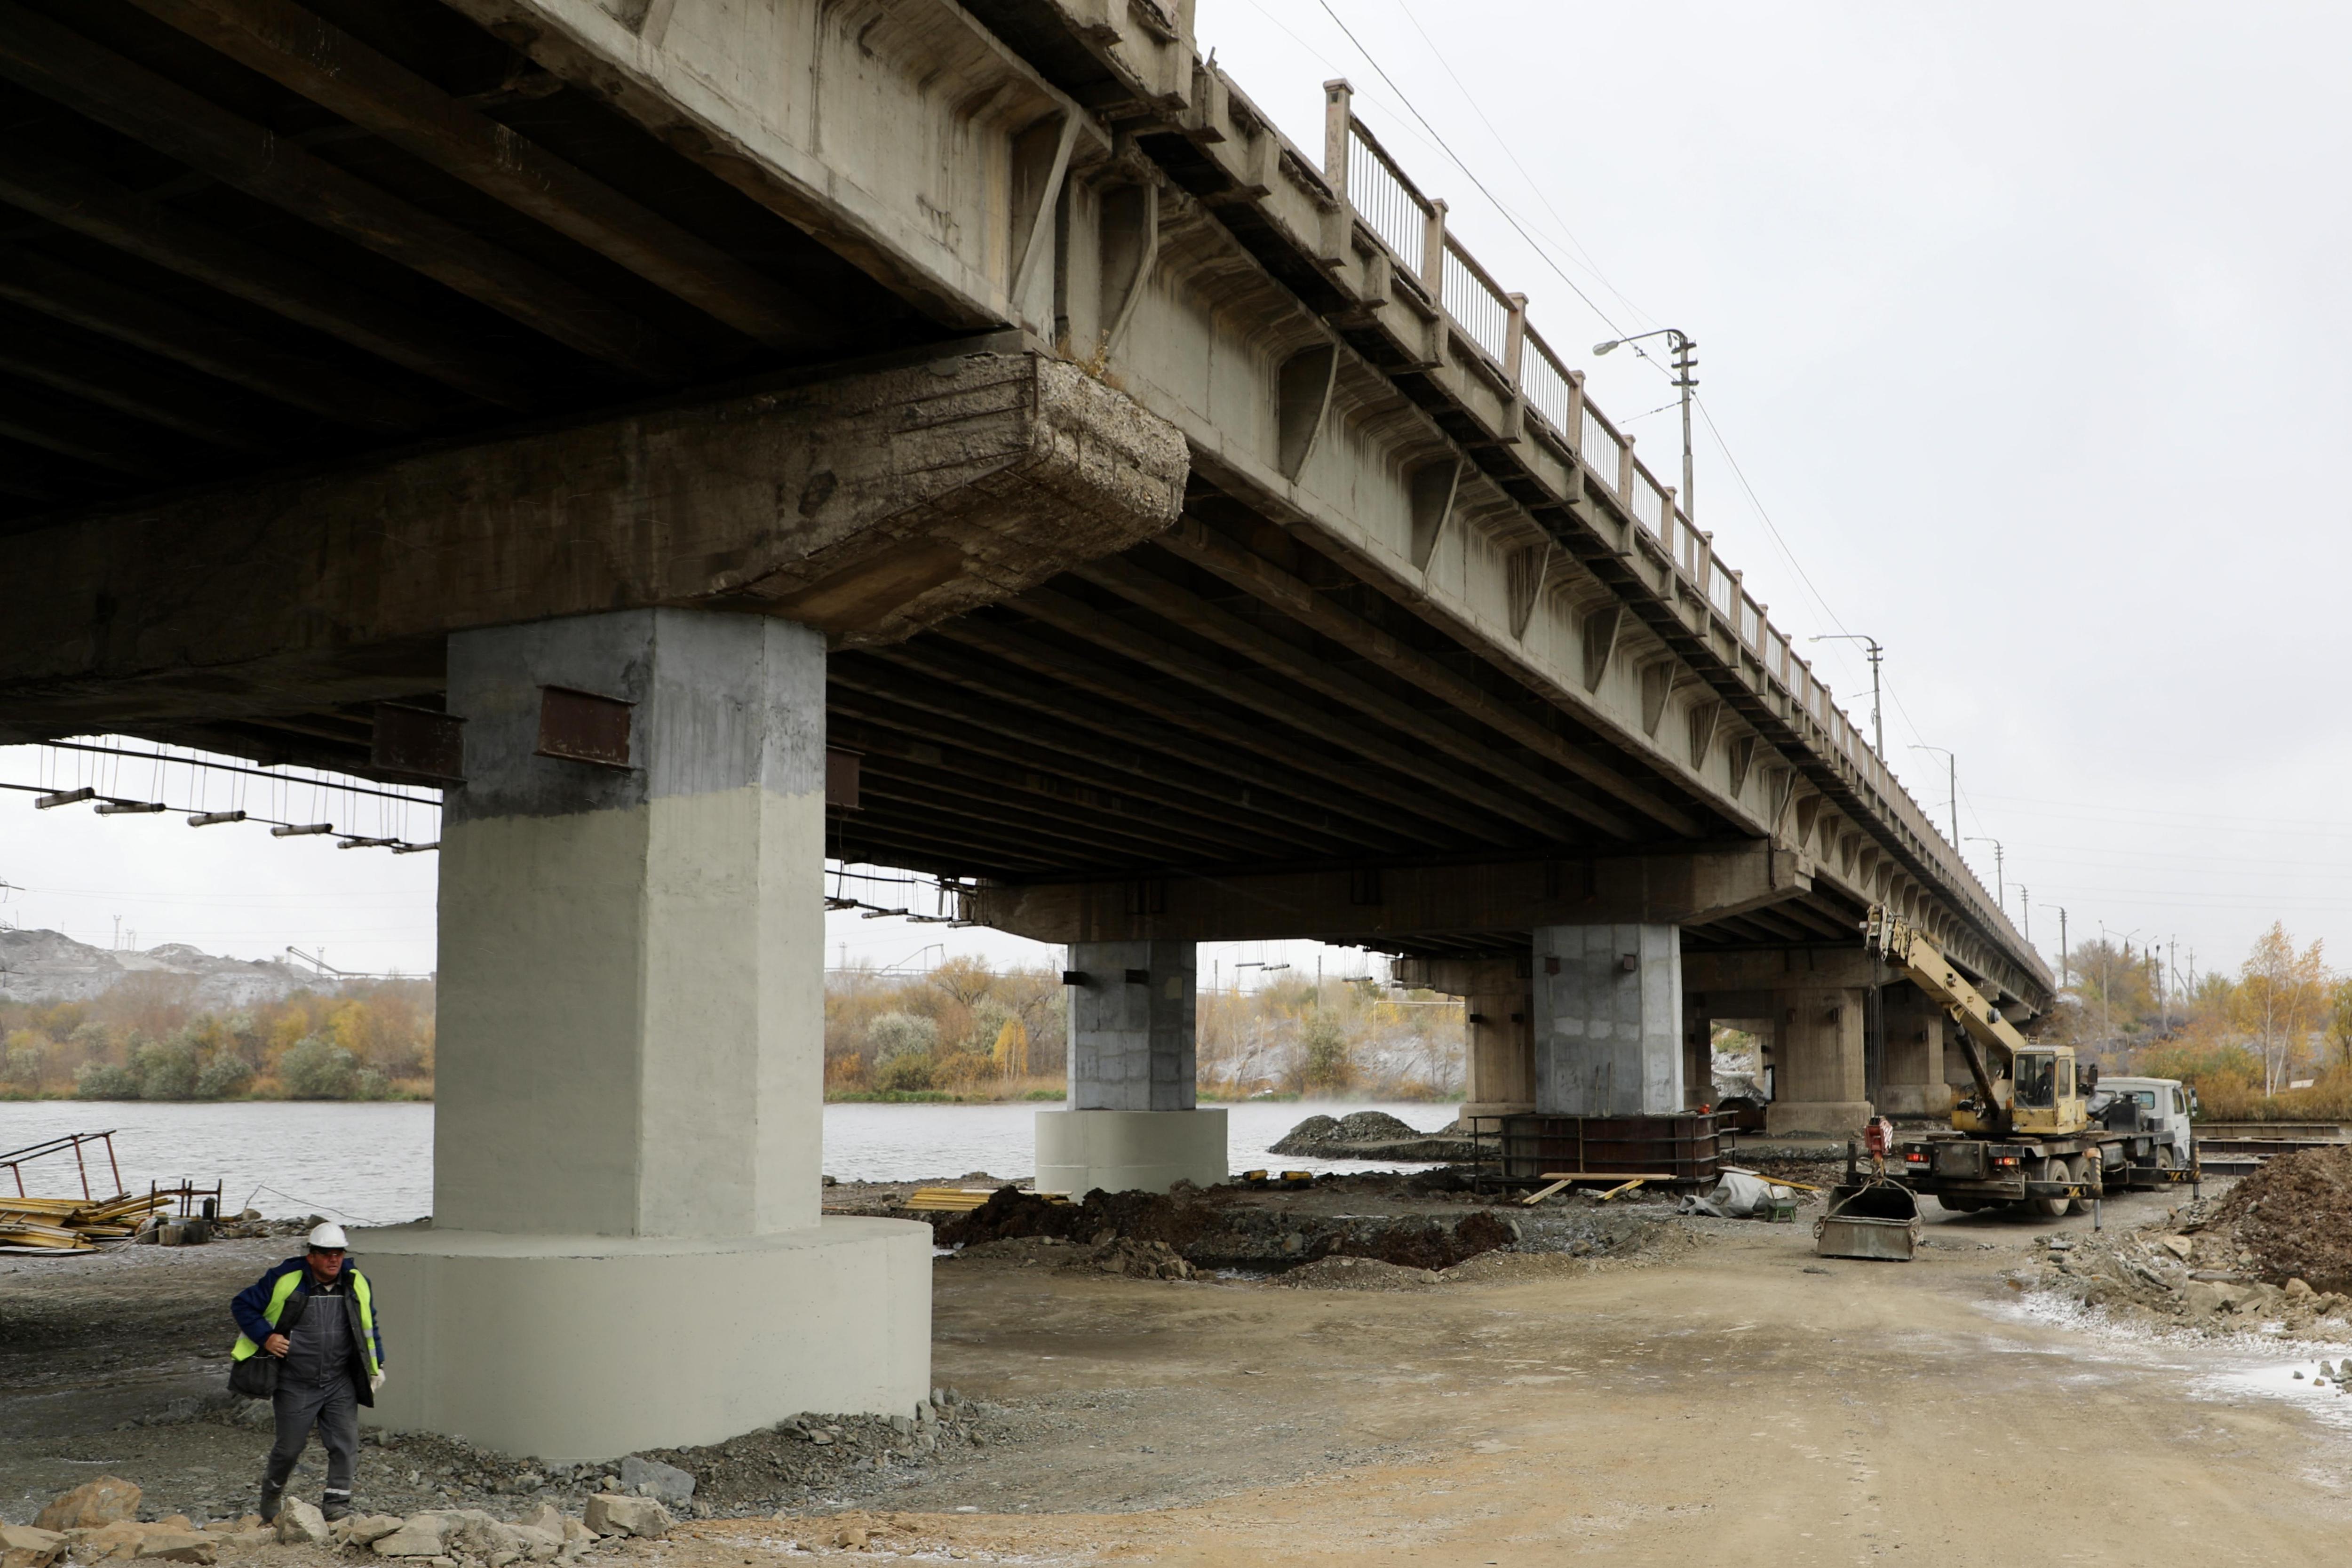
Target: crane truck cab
{"type": "Point", "coordinates": [2042, 1093]}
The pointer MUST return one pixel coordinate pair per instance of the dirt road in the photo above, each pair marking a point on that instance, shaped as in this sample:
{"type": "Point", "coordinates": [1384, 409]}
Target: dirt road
{"type": "Point", "coordinates": [1738, 1401]}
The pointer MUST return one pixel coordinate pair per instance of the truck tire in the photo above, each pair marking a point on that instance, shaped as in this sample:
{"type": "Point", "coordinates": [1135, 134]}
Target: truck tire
{"type": "Point", "coordinates": [2049, 1208]}
{"type": "Point", "coordinates": [1959, 1205]}
{"type": "Point", "coordinates": [2078, 1169]}
{"type": "Point", "coordinates": [2166, 1159]}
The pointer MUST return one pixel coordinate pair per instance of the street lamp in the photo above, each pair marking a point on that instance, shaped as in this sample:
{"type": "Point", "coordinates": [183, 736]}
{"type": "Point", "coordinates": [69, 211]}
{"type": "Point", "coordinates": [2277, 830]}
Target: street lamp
{"type": "Point", "coordinates": [1954, 801]}
{"type": "Point", "coordinates": [2000, 887]}
{"type": "Point", "coordinates": [1684, 380]}
{"type": "Point", "coordinates": [1877, 726]}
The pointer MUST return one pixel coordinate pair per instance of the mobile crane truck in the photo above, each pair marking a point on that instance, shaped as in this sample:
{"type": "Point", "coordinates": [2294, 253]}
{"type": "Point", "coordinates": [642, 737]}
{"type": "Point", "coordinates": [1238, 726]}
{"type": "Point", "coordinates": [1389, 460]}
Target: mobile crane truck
{"type": "Point", "coordinates": [2027, 1137]}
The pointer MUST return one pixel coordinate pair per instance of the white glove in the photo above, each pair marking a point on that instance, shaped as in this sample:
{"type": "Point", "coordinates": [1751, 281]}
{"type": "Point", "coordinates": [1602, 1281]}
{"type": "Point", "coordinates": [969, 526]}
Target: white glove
{"type": "Point", "coordinates": [375, 1383]}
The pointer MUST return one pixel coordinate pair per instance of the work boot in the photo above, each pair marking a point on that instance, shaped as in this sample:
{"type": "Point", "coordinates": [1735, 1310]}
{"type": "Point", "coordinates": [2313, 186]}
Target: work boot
{"type": "Point", "coordinates": [333, 1506]}
{"type": "Point", "coordinates": [269, 1498]}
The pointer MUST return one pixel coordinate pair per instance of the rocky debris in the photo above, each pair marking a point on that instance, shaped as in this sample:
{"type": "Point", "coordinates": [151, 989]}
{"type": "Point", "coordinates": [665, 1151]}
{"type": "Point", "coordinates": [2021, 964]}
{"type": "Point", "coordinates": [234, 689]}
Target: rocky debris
{"type": "Point", "coordinates": [300, 1524]}
{"type": "Point", "coordinates": [2185, 1271]}
{"type": "Point", "coordinates": [1358, 1274]}
{"type": "Point", "coordinates": [91, 1504]}
{"type": "Point", "coordinates": [1369, 1136]}
{"type": "Point", "coordinates": [1209, 1230]}
{"type": "Point", "coordinates": [2291, 1219]}
{"type": "Point", "coordinates": [22, 1546]}
{"type": "Point", "coordinates": [1140, 1260]}
{"type": "Point", "coordinates": [649, 1477]}
{"type": "Point", "coordinates": [638, 1516]}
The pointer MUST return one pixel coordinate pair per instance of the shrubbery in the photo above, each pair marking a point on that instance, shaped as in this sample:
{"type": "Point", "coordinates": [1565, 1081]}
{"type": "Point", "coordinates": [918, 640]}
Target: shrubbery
{"type": "Point", "coordinates": [104, 1080]}
{"type": "Point", "coordinates": [316, 1068]}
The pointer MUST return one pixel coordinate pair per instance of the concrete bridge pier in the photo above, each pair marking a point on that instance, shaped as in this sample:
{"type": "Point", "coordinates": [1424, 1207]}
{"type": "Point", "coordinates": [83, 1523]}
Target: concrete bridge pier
{"type": "Point", "coordinates": [1820, 1084]}
{"type": "Point", "coordinates": [626, 1250]}
{"type": "Point", "coordinates": [1916, 1063]}
{"type": "Point", "coordinates": [1133, 1121]}
{"type": "Point", "coordinates": [1608, 1020]}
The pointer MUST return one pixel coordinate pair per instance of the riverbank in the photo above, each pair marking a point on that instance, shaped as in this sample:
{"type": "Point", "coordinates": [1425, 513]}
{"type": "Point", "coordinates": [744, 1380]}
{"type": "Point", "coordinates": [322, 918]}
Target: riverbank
{"type": "Point", "coordinates": [1527, 1405]}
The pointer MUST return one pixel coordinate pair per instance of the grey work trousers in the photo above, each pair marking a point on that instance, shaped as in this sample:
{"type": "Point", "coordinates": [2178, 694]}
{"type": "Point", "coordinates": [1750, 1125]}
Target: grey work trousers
{"type": "Point", "coordinates": [333, 1407]}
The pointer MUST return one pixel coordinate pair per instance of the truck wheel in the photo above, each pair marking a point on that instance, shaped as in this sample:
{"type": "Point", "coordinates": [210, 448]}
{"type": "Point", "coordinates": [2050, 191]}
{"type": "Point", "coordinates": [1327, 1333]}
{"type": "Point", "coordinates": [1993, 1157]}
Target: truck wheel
{"type": "Point", "coordinates": [2166, 1159]}
{"type": "Point", "coordinates": [2078, 1169]}
{"type": "Point", "coordinates": [2049, 1208]}
{"type": "Point", "coordinates": [1959, 1205]}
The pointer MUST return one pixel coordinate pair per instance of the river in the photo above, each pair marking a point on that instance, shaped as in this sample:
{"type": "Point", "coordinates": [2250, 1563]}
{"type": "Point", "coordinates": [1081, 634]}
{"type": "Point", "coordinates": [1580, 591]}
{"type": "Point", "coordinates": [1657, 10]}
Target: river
{"type": "Point", "coordinates": [372, 1164]}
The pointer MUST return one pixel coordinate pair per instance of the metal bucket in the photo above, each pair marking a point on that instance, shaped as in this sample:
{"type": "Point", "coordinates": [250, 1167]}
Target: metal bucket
{"type": "Point", "coordinates": [1876, 1220]}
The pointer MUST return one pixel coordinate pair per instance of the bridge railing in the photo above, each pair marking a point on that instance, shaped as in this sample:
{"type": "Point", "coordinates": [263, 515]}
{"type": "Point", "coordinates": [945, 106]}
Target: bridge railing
{"type": "Point", "coordinates": [1491, 322]}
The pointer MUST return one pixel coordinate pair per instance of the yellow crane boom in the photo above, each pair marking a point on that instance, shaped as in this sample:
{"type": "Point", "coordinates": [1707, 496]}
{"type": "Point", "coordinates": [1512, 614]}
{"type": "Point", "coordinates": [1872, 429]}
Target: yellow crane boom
{"type": "Point", "coordinates": [1983, 1031]}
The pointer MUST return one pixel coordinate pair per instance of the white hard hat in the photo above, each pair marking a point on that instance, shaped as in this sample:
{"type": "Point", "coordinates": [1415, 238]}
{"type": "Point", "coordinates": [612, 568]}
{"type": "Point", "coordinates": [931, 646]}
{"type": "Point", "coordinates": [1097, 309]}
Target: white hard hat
{"type": "Point", "coordinates": [328, 1238]}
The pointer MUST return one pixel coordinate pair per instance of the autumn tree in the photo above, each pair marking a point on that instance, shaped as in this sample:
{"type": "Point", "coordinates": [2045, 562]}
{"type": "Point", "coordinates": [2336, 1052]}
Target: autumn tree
{"type": "Point", "coordinates": [2281, 994]}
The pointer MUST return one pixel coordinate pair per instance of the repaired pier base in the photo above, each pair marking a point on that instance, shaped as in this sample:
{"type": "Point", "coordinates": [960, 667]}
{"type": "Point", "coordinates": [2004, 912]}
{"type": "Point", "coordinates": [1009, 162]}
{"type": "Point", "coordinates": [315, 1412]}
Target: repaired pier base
{"type": "Point", "coordinates": [1129, 1151]}
{"type": "Point", "coordinates": [571, 1348]}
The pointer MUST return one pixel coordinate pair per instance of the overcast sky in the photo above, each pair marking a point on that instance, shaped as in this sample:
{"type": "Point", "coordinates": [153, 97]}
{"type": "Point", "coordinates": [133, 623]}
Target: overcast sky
{"type": "Point", "coordinates": [2026, 325]}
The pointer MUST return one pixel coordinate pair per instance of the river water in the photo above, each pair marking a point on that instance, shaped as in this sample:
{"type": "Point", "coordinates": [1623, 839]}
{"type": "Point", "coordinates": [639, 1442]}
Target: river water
{"type": "Point", "coordinates": [372, 1164]}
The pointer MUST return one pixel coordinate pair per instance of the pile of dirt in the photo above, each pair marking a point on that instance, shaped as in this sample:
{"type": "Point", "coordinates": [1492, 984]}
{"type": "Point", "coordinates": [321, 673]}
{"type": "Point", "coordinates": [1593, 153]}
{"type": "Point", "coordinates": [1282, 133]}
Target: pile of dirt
{"type": "Point", "coordinates": [1358, 1274]}
{"type": "Point", "coordinates": [2195, 1270]}
{"type": "Point", "coordinates": [2294, 1218]}
{"type": "Point", "coordinates": [1209, 1230]}
{"type": "Point", "coordinates": [1369, 1136]}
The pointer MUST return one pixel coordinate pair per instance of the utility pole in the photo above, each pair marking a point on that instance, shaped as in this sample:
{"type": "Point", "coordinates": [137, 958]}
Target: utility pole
{"type": "Point", "coordinates": [2062, 947]}
{"type": "Point", "coordinates": [1686, 382]}
{"type": "Point", "coordinates": [2000, 887]}
{"type": "Point", "coordinates": [2026, 902]}
{"type": "Point", "coordinates": [1877, 724]}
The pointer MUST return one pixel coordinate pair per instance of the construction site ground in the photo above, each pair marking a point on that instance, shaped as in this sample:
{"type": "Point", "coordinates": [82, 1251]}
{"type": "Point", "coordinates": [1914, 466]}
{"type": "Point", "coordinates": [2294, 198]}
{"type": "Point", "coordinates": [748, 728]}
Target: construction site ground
{"type": "Point", "coordinates": [1684, 1389]}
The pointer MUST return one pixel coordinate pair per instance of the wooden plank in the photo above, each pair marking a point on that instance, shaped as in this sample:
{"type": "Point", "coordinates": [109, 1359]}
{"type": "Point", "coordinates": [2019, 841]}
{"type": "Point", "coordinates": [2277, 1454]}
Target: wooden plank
{"type": "Point", "coordinates": [1608, 1177]}
{"type": "Point", "coordinates": [61, 65]}
{"type": "Point", "coordinates": [90, 204]}
{"type": "Point", "coordinates": [1540, 1194]}
{"type": "Point", "coordinates": [140, 319]}
{"type": "Point", "coordinates": [1628, 1187]}
{"type": "Point", "coordinates": [1192, 542]}
{"type": "Point", "coordinates": [1172, 603]}
{"type": "Point", "coordinates": [329, 67]}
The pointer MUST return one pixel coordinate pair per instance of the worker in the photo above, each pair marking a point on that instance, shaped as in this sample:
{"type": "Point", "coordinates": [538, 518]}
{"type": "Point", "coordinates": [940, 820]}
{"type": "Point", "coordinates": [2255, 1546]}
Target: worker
{"type": "Point", "coordinates": [315, 1315]}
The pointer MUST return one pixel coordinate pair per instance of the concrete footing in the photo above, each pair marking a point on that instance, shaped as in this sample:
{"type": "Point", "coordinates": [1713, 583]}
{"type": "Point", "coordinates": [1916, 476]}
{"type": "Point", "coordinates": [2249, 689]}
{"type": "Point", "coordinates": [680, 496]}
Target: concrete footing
{"type": "Point", "coordinates": [1839, 1117]}
{"type": "Point", "coordinates": [571, 1348]}
{"type": "Point", "coordinates": [1129, 1151]}
{"type": "Point", "coordinates": [1917, 1098]}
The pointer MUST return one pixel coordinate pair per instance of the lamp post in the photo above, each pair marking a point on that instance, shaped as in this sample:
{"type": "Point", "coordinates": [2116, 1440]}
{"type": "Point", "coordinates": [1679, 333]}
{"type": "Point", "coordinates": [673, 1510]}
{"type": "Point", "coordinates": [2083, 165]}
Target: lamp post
{"type": "Point", "coordinates": [1684, 380]}
{"type": "Point", "coordinates": [1877, 725]}
{"type": "Point", "coordinates": [1953, 803]}
{"type": "Point", "coordinates": [2000, 884]}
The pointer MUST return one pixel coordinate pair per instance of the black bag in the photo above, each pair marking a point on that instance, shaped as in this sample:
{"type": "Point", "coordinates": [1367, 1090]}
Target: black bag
{"type": "Point", "coordinates": [255, 1377]}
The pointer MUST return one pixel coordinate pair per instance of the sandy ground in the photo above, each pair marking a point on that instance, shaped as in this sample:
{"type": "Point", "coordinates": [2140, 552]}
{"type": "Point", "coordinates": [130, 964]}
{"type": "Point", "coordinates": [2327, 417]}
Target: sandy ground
{"type": "Point", "coordinates": [1737, 1400]}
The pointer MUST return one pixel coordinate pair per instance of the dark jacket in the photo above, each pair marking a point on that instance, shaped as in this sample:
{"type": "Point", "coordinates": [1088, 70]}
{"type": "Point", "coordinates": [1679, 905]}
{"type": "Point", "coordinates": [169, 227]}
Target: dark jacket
{"type": "Point", "coordinates": [280, 1298]}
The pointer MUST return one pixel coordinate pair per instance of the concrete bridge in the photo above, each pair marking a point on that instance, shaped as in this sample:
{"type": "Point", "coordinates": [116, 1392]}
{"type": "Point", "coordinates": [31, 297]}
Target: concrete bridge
{"type": "Point", "coordinates": [707, 435]}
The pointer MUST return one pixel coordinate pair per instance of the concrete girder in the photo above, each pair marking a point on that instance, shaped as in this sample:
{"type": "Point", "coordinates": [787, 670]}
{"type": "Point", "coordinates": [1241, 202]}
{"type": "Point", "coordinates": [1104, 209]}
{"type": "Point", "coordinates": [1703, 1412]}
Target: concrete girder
{"type": "Point", "coordinates": [1371, 907]}
{"type": "Point", "coordinates": [869, 505]}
